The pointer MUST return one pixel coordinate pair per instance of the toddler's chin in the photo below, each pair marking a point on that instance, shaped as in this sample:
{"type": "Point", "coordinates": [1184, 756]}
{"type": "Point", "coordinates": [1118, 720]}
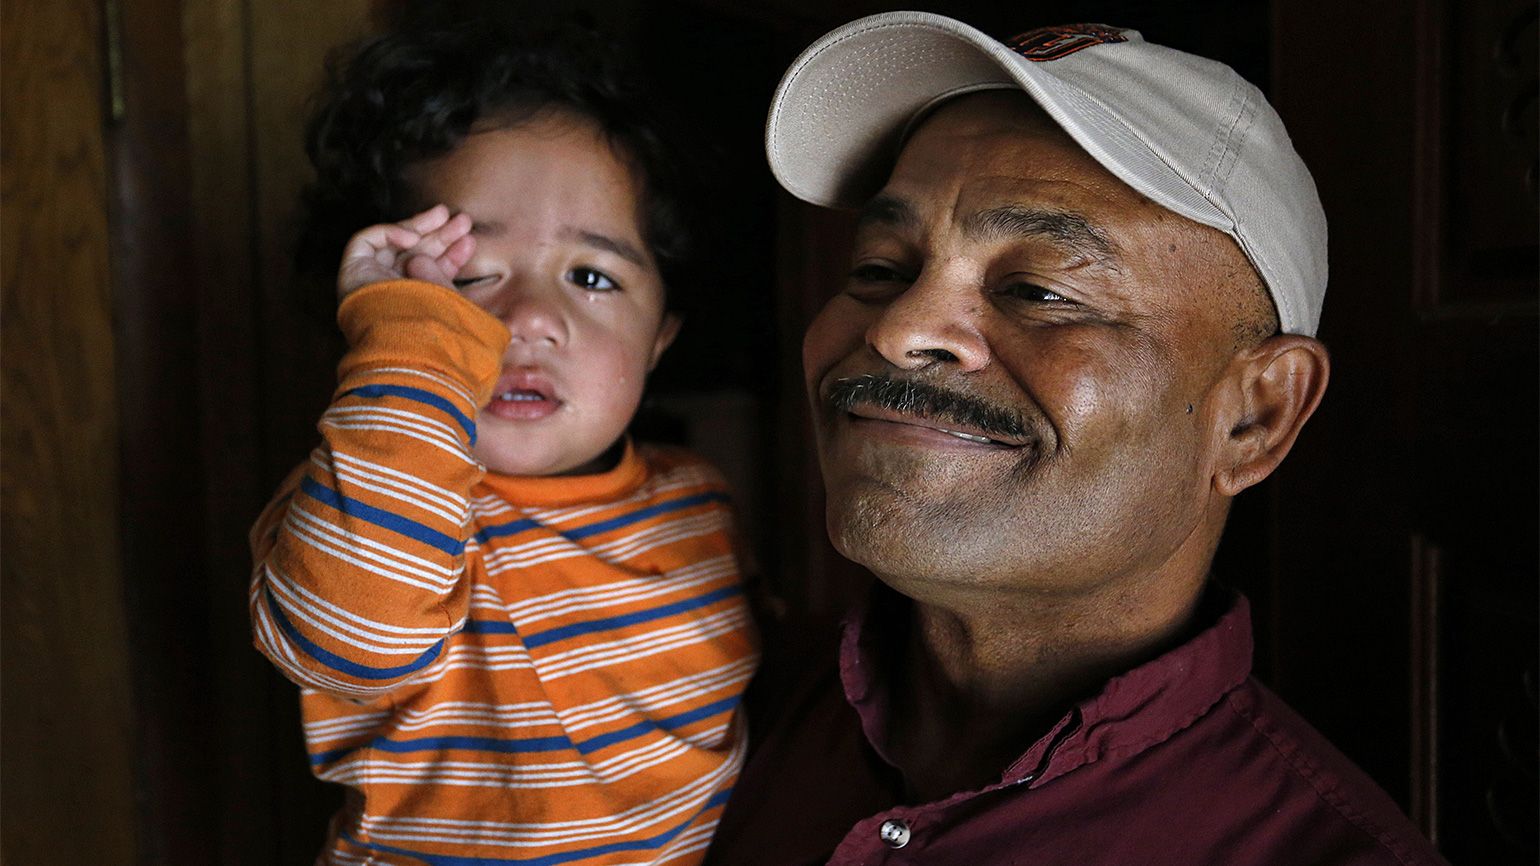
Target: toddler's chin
{"type": "Point", "coordinates": [536, 463]}
{"type": "Point", "coordinates": [499, 462]}
{"type": "Point", "coordinates": [542, 449]}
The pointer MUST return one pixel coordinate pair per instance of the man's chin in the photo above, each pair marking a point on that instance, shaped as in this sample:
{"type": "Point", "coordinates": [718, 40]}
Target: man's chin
{"type": "Point", "coordinates": [875, 527]}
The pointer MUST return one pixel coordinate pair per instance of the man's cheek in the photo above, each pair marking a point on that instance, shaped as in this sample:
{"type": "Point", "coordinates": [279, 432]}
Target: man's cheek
{"type": "Point", "coordinates": [834, 334]}
{"type": "Point", "coordinates": [1091, 391]}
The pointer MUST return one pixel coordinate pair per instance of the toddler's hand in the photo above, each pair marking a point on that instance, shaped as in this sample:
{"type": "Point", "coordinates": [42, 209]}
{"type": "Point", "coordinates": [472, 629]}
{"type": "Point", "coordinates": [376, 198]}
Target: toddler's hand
{"type": "Point", "coordinates": [430, 246]}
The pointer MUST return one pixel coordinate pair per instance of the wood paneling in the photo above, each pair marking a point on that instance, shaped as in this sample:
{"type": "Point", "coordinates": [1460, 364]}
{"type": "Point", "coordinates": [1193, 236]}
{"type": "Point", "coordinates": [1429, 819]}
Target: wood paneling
{"type": "Point", "coordinates": [1475, 294]}
{"type": "Point", "coordinates": [220, 194]}
{"type": "Point", "coordinates": [287, 42]}
{"type": "Point", "coordinates": [162, 479]}
{"type": "Point", "coordinates": [1344, 497]}
{"type": "Point", "coordinates": [1407, 570]}
{"type": "Point", "coordinates": [66, 732]}
{"type": "Point", "coordinates": [263, 375]}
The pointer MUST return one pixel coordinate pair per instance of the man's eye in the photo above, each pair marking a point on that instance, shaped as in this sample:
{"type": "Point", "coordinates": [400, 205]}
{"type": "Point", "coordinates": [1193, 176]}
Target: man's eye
{"type": "Point", "coordinates": [592, 280]}
{"type": "Point", "coordinates": [1033, 292]}
{"type": "Point", "coordinates": [873, 273]}
{"type": "Point", "coordinates": [876, 282]}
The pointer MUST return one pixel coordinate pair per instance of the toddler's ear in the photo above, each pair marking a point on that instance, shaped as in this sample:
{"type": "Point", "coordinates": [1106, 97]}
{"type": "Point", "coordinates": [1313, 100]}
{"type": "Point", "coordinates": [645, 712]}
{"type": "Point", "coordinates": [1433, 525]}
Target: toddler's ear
{"type": "Point", "coordinates": [668, 329]}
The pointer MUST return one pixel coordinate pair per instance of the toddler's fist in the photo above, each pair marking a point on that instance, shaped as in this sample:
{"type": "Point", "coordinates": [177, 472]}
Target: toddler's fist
{"type": "Point", "coordinates": [430, 246]}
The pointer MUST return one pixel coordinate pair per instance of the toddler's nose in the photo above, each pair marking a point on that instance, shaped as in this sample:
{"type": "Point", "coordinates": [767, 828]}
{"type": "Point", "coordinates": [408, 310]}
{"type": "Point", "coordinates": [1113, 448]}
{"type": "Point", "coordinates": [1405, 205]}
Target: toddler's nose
{"type": "Point", "coordinates": [531, 317]}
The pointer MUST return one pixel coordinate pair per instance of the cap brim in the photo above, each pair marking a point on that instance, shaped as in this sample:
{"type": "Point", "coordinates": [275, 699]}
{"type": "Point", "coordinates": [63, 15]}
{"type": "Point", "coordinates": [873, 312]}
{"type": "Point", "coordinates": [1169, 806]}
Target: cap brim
{"type": "Point", "coordinates": [839, 113]}
{"type": "Point", "coordinates": [838, 118]}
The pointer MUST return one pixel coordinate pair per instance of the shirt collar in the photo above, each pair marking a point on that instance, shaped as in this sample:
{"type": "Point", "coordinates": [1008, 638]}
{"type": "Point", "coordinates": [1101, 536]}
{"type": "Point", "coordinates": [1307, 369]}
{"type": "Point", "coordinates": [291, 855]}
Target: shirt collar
{"type": "Point", "coordinates": [560, 491]}
{"type": "Point", "coordinates": [1132, 712]}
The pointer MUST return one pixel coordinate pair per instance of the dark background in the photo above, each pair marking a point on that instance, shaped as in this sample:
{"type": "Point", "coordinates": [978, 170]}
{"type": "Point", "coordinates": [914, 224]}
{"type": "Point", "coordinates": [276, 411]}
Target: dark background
{"type": "Point", "coordinates": [160, 374]}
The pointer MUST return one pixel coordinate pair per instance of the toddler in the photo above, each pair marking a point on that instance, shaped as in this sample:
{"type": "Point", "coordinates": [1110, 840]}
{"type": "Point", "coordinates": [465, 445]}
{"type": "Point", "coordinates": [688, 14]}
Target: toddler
{"type": "Point", "coordinates": [520, 637]}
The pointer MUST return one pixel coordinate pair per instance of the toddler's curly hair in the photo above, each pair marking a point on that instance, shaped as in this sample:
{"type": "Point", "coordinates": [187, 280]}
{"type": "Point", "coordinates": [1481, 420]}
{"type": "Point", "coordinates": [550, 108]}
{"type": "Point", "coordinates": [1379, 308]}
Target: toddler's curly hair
{"type": "Point", "coordinates": [414, 93]}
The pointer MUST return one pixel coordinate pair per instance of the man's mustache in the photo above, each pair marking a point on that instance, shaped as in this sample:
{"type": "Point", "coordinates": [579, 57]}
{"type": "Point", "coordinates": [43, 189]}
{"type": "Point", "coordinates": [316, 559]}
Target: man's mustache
{"type": "Point", "coordinates": [928, 401]}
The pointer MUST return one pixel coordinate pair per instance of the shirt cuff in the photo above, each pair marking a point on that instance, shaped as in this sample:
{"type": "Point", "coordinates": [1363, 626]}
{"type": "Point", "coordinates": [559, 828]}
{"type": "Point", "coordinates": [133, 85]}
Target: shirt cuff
{"type": "Point", "coordinates": [424, 326]}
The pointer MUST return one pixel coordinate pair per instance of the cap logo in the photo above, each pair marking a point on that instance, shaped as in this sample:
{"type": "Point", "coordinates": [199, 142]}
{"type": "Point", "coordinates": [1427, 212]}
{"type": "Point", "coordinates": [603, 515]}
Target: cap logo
{"type": "Point", "coordinates": [1052, 43]}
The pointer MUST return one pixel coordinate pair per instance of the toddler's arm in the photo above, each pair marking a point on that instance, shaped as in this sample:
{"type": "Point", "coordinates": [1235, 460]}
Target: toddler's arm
{"type": "Point", "coordinates": [359, 572]}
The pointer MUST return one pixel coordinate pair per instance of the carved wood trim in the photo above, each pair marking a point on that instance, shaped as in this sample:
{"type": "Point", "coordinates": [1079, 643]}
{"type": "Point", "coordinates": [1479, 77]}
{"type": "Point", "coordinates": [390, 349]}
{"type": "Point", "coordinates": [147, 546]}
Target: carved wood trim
{"type": "Point", "coordinates": [1448, 84]}
{"type": "Point", "coordinates": [1428, 156]}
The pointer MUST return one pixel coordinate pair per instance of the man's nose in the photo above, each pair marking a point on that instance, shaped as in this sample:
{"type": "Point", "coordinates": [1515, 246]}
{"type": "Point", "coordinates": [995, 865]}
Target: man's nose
{"type": "Point", "coordinates": [936, 319]}
{"type": "Point", "coordinates": [532, 313]}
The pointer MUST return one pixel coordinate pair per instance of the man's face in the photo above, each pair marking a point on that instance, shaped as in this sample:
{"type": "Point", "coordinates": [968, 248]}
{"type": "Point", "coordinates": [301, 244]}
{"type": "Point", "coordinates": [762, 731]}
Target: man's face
{"type": "Point", "coordinates": [1012, 390]}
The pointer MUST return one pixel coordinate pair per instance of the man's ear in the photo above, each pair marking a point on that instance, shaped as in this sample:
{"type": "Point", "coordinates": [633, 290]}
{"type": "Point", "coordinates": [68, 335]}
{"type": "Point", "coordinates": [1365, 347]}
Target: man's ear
{"type": "Point", "coordinates": [1281, 382]}
{"type": "Point", "coordinates": [668, 329]}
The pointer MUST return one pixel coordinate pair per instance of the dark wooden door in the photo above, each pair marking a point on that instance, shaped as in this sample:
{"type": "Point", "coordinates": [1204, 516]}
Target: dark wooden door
{"type": "Point", "coordinates": [68, 725]}
{"type": "Point", "coordinates": [1403, 610]}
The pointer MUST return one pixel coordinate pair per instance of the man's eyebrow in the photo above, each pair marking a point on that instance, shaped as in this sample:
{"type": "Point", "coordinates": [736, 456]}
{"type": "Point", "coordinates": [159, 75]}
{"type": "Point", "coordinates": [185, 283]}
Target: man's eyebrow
{"type": "Point", "coordinates": [1082, 239]}
{"type": "Point", "coordinates": [1078, 236]}
{"type": "Point", "coordinates": [487, 228]}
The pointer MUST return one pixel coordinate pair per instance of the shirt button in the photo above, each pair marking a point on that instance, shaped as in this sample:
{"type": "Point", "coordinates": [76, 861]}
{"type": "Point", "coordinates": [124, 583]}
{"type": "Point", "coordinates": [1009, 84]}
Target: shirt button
{"type": "Point", "coordinates": [894, 832]}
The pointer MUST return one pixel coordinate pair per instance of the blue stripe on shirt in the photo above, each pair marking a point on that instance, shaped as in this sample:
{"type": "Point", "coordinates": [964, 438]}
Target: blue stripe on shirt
{"type": "Point", "coordinates": [594, 744]}
{"type": "Point", "coordinates": [526, 745]}
{"type": "Point", "coordinates": [541, 638]}
{"type": "Point", "coordinates": [489, 532]}
{"type": "Point", "coordinates": [380, 517]}
{"type": "Point", "coordinates": [340, 664]}
{"type": "Point", "coordinates": [490, 626]}
{"type": "Point", "coordinates": [522, 745]}
{"type": "Point", "coordinates": [581, 532]}
{"type": "Point", "coordinates": [425, 397]}
{"type": "Point", "coordinates": [318, 758]}
{"type": "Point", "coordinates": [650, 843]}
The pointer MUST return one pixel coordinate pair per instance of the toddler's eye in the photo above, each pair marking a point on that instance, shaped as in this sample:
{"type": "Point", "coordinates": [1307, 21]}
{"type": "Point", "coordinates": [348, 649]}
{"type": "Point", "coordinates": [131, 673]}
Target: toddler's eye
{"type": "Point", "coordinates": [467, 282]}
{"type": "Point", "coordinates": [592, 280]}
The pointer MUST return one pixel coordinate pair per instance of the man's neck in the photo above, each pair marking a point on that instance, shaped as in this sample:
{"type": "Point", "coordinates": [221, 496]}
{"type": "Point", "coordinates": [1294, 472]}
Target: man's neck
{"type": "Point", "coordinates": [996, 673]}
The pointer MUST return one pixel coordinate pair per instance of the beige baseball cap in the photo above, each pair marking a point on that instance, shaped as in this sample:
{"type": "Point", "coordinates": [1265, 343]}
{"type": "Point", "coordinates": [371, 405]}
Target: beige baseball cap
{"type": "Point", "coordinates": [1185, 131]}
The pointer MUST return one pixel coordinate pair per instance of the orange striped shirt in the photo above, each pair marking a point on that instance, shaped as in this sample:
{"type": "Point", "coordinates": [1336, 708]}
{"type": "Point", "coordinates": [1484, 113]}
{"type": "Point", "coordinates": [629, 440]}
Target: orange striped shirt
{"type": "Point", "coordinates": [502, 670]}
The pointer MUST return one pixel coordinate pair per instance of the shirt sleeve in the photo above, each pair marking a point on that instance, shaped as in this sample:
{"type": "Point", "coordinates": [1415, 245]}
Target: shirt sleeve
{"type": "Point", "coordinates": [359, 571]}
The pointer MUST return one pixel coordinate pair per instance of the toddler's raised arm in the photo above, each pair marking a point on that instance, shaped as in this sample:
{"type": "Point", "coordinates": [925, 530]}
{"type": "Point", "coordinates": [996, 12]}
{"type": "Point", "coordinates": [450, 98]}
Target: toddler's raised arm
{"type": "Point", "coordinates": [360, 560]}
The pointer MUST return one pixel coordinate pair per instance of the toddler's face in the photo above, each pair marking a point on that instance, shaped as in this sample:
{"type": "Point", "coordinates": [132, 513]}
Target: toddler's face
{"type": "Point", "coordinates": [560, 259]}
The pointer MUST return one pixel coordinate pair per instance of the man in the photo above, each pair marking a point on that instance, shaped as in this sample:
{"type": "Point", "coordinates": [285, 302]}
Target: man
{"type": "Point", "coordinates": [1078, 321]}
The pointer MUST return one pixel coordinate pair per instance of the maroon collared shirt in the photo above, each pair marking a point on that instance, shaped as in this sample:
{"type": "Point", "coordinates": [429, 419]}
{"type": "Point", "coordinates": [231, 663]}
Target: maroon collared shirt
{"type": "Point", "coordinates": [1185, 760]}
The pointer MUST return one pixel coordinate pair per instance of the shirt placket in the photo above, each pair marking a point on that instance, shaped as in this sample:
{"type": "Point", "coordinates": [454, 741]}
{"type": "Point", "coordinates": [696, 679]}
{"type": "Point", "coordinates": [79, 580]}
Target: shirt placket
{"type": "Point", "coordinates": [892, 836]}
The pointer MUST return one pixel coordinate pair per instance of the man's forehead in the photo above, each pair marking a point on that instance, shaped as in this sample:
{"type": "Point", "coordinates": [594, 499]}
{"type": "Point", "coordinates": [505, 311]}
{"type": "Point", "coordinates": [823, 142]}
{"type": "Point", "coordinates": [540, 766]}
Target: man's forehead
{"type": "Point", "coordinates": [1004, 110]}
{"type": "Point", "coordinates": [989, 152]}
{"type": "Point", "coordinates": [994, 166]}
{"type": "Point", "coordinates": [1000, 143]}
{"type": "Point", "coordinates": [1076, 235]}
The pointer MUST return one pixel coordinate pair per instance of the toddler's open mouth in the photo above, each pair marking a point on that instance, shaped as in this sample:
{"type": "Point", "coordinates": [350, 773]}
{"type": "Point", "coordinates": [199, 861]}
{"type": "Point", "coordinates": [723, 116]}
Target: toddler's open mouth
{"type": "Point", "coordinates": [523, 394]}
